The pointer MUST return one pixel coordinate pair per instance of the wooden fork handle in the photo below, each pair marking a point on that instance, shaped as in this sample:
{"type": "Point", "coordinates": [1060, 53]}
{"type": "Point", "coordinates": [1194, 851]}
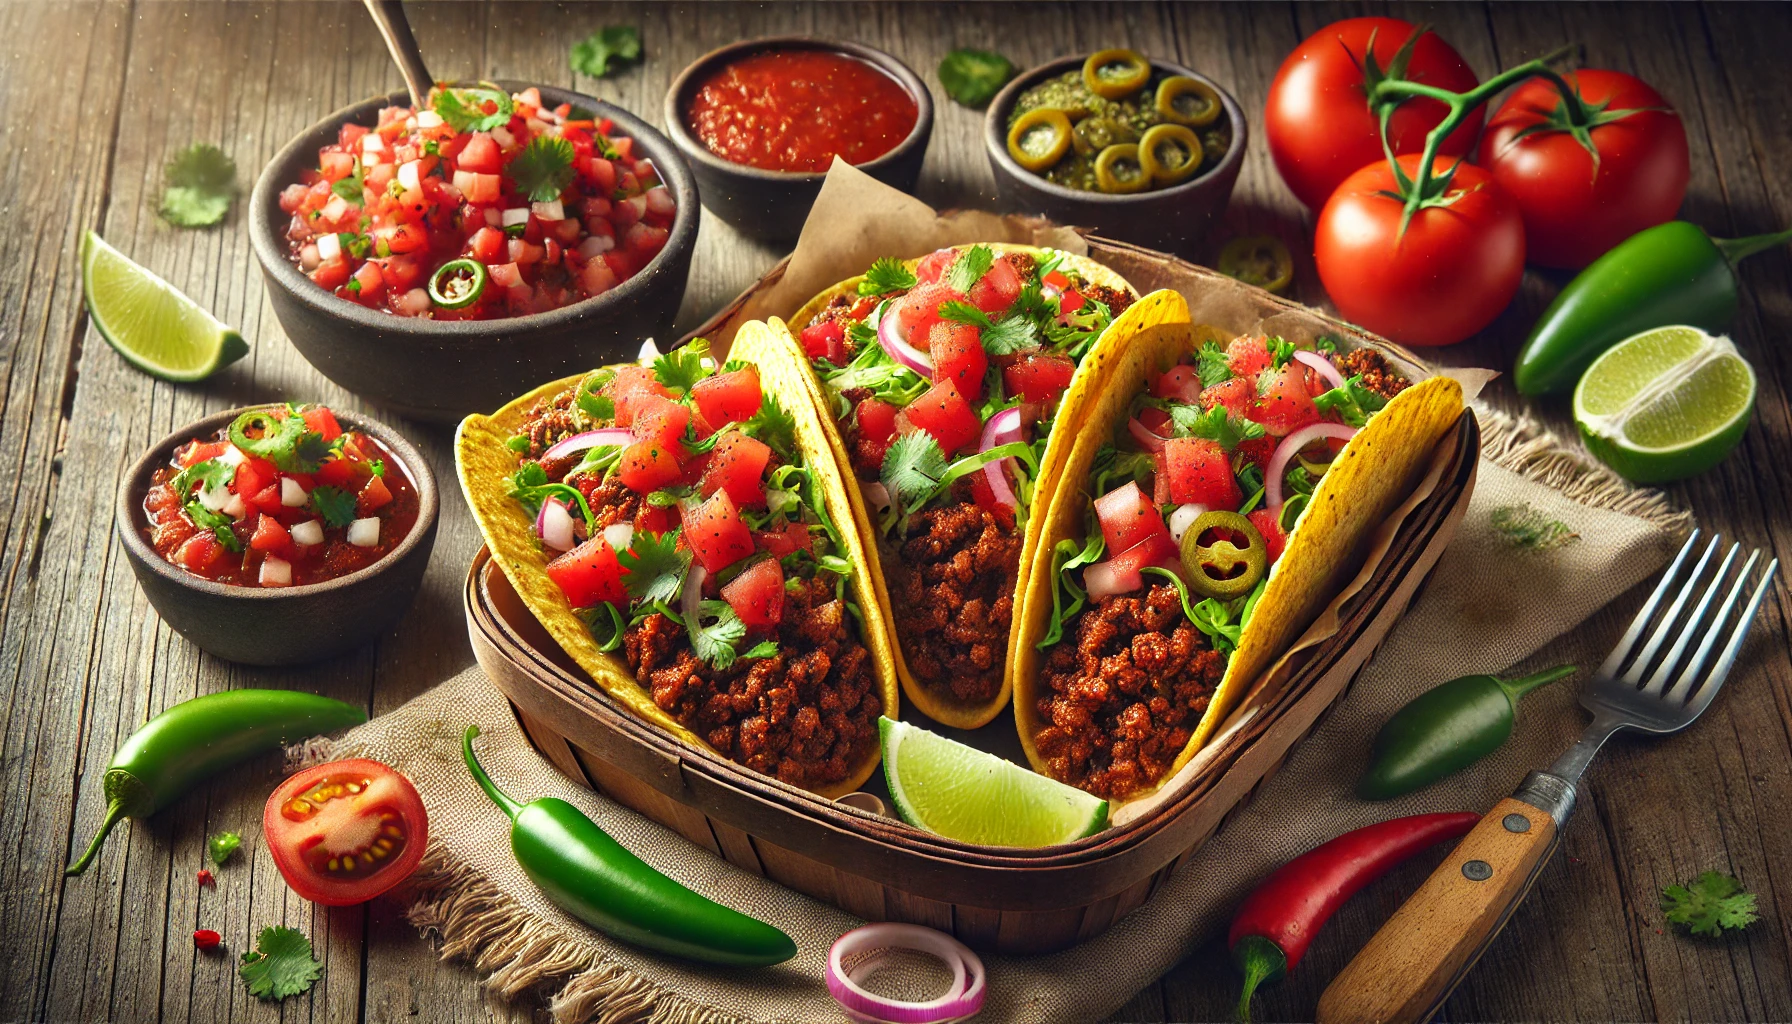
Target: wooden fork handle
{"type": "Point", "coordinates": [1413, 963]}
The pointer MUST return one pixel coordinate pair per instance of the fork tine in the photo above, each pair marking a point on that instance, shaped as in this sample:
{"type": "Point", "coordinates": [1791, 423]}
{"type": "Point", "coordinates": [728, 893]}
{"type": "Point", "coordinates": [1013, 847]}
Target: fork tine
{"type": "Point", "coordinates": [1683, 684]}
{"type": "Point", "coordinates": [1670, 620]}
{"type": "Point", "coordinates": [1619, 652]}
{"type": "Point", "coordinates": [1671, 660]}
{"type": "Point", "coordinates": [1721, 671]}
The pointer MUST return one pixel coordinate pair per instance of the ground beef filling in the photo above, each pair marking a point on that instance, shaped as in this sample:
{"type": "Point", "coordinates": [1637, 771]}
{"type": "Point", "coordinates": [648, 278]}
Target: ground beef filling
{"type": "Point", "coordinates": [1377, 375]}
{"type": "Point", "coordinates": [1122, 700]}
{"type": "Point", "coordinates": [952, 596]}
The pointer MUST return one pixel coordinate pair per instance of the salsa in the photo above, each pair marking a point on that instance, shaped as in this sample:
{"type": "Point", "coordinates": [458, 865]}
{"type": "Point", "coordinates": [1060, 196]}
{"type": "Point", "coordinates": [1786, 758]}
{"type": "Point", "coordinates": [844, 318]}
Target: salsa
{"type": "Point", "coordinates": [488, 204]}
{"type": "Point", "coordinates": [795, 110]}
{"type": "Point", "coordinates": [282, 497]}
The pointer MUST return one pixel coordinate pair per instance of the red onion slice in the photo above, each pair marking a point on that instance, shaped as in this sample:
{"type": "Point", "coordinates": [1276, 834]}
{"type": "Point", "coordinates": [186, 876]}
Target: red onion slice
{"type": "Point", "coordinates": [1278, 463]}
{"type": "Point", "coordinates": [1002, 428]}
{"type": "Point", "coordinates": [900, 350]}
{"type": "Point", "coordinates": [1148, 440]}
{"type": "Point", "coordinates": [618, 436]}
{"type": "Point", "coordinates": [554, 525]}
{"type": "Point", "coordinates": [691, 597]}
{"type": "Point", "coordinates": [962, 998]}
{"type": "Point", "coordinates": [1321, 366]}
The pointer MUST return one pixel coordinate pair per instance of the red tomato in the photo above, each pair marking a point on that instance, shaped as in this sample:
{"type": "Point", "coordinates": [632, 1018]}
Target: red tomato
{"type": "Point", "coordinates": [322, 421]}
{"type": "Point", "coordinates": [1069, 302]}
{"type": "Point", "coordinates": [997, 288]}
{"type": "Point", "coordinates": [656, 518]}
{"type": "Point", "coordinates": [1236, 395]}
{"type": "Point", "coordinates": [793, 537]}
{"type": "Point", "coordinates": [337, 472]}
{"type": "Point", "coordinates": [198, 552]}
{"type": "Point", "coordinates": [757, 594]}
{"type": "Point", "coordinates": [270, 535]}
{"type": "Point", "coordinates": [1573, 212]}
{"type": "Point", "coordinates": [648, 466]}
{"type": "Point", "coordinates": [957, 351]}
{"type": "Point", "coordinates": [630, 385]}
{"type": "Point", "coordinates": [933, 265]}
{"type": "Point", "coordinates": [589, 575]}
{"type": "Point", "coordinates": [344, 832]}
{"type": "Point", "coordinates": [1248, 356]}
{"type": "Point", "coordinates": [196, 452]}
{"type": "Point", "coordinates": [267, 499]}
{"type": "Point", "coordinates": [1038, 378]}
{"type": "Point", "coordinates": [487, 245]}
{"type": "Point", "coordinates": [826, 340]}
{"type": "Point", "coordinates": [985, 498]}
{"type": "Point", "coordinates": [1287, 403]}
{"type": "Point", "coordinates": [943, 412]}
{"type": "Point", "coordinates": [1157, 549]}
{"type": "Point", "coordinates": [1274, 540]}
{"type": "Point", "coordinates": [877, 428]}
{"type": "Point", "coordinates": [1128, 517]}
{"type": "Point", "coordinates": [1196, 469]}
{"type": "Point", "coordinates": [659, 419]}
{"type": "Point", "coordinates": [480, 155]}
{"type": "Point", "coordinates": [374, 495]}
{"type": "Point", "coordinates": [253, 475]}
{"type": "Point", "coordinates": [919, 310]}
{"type": "Point", "coordinates": [1320, 128]}
{"type": "Point", "coordinates": [1454, 270]}
{"type": "Point", "coordinates": [1181, 382]}
{"type": "Point", "coordinates": [716, 533]}
{"type": "Point", "coordinates": [731, 397]}
{"type": "Point", "coordinates": [735, 466]}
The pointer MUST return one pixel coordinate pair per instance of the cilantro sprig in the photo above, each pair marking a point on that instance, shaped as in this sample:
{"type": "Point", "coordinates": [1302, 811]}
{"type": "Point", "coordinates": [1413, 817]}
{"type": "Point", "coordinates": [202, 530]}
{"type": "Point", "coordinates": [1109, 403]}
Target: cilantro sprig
{"type": "Point", "coordinates": [655, 565]}
{"type": "Point", "coordinates": [681, 368]}
{"type": "Point", "coordinates": [885, 276]}
{"type": "Point", "coordinates": [198, 186]}
{"type": "Point", "coordinates": [1353, 402]}
{"type": "Point", "coordinates": [715, 642]}
{"type": "Point", "coordinates": [280, 965]}
{"type": "Point", "coordinates": [775, 425]}
{"type": "Point", "coordinates": [463, 108]}
{"type": "Point", "coordinates": [1712, 904]}
{"type": "Point", "coordinates": [973, 77]}
{"type": "Point", "coordinates": [1214, 424]}
{"type": "Point", "coordinates": [335, 505]}
{"type": "Point", "coordinates": [1212, 364]}
{"type": "Point", "coordinates": [969, 268]}
{"type": "Point", "coordinates": [351, 187]}
{"type": "Point", "coordinates": [912, 469]}
{"type": "Point", "coordinates": [543, 169]}
{"type": "Point", "coordinates": [606, 50]}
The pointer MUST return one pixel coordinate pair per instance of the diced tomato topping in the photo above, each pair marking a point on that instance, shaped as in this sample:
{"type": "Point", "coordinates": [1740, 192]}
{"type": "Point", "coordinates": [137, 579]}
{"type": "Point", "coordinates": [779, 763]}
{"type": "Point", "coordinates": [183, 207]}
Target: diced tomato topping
{"type": "Point", "coordinates": [1236, 395]}
{"type": "Point", "coordinates": [1196, 469]}
{"type": "Point", "coordinates": [656, 518]}
{"type": "Point", "coordinates": [374, 495]}
{"type": "Point", "coordinates": [1181, 382]}
{"type": "Point", "coordinates": [267, 499]}
{"type": "Point", "coordinates": [1274, 540]}
{"type": "Point", "coordinates": [630, 384]}
{"type": "Point", "coordinates": [826, 340]}
{"type": "Point", "coordinates": [480, 155]}
{"type": "Point", "coordinates": [958, 356]}
{"type": "Point", "coordinates": [336, 472]}
{"type": "Point", "coordinates": [487, 245]}
{"type": "Point", "coordinates": [1155, 420]}
{"type": "Point", "coordinates": [196, 452]}
{"type": "Point", "coordinates": [1071, 301]}
{"type": "Point", "coordinates": [877, 426]}
{"type": "Point", "coordinates": [998, 287]}
{"type": "Point", "coordinates": [1258, 450]}
{"type": "Point", "coordinates": [253, 475]}
{"type": "Point", "coordinates": [199, 551]}
{"type": "Point", "coordinates": [322, 421]}
{"type": "Point", "coordinates": [943, 412]}
{"type": "Point", "coordinates": [1038, 378]}
{"type": "Point", "coordinates": [1248, 356]}
{"type": "Point", "coordinates": [1128, 517]}
{"type": "Point", "coordinates": [660, 419]}
{"type": "Point", "coordinates": [335, 166]}
{"type": "Point", "coordinates": [757, 594]}
{"type": "Point", "coordinates": [270, 535]}
{"type": "Point", "coordinates": [919, 310]}
{"type": "Point", "coordinates": [589, 574]}
{"type": "Point", "coordinates": [793, 537]}
{"type": "Point", "coordinates": [718, 536]}
{"type": "Point", "coordinates": [736, 465]}
{"type": "Point", "coordinates": [648, 465]}
{"type": "Point", "coordinates": [1055, 279]}
{"type": "Point", "coordinates": [731, 397]}
{"type": "Point", "coordinates": [985, 497]}
{"type": "Point", "coordinates": [933, 265]}
{"type": "Point", "coordinates": [1286, 404]}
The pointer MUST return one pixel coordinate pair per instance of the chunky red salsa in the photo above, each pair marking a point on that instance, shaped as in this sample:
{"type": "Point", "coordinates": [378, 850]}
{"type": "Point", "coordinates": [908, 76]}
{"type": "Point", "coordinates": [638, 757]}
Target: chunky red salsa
{"type": "Point", "coordinates": [282, 497]}
{"type": "Point", "coordinates": [795, 110]}
{"type": "Point", "coordinates": [486, 205]}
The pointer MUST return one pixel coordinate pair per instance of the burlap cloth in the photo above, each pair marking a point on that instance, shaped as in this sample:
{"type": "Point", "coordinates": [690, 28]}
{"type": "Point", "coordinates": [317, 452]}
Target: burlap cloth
{"type": "Point", "coordinates": [1488, 607]}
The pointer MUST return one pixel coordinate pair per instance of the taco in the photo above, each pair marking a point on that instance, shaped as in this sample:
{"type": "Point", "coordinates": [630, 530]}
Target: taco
{"type": "Point", "coordinates": [681, 531]}
{"type": "Point", "coordinates": [1213, 502]}
{"type": "Point", "coordinates": [939, 380]}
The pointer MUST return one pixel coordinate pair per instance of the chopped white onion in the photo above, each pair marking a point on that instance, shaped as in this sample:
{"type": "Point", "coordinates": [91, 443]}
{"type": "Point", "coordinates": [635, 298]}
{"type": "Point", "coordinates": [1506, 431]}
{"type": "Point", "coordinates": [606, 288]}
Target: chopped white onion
{"type": "Point", "coordinates": [231, 455]}
{"type": "Point", "coordinates": [276, 572]}
{"type": "Point", "coordinates": [334, 210]}
{"type": "Point", "coordinates": [292, 493]}
{"type": "Point", "coordinates": [619, 535]}
{"type": "Point", "coordinates": [236, 507]}
{"type": "Point", "coordinates": [515, 216]}
{"type": "Point", "coordinates": [649, 352]}
{"type": "Point", "coordinates": [1184, 517]}
{"type": "Point", "coordinates": [215, 498]}
{"type": "Point", "coordinates": [409, 176]}
{"type": "Point", "coordinates": [501, 135]}
{"type": "Point", "coordinates": [1104, 579]}
{"type": "Point", "coordinates": [550, 210]}
{"type": "Point", "coordinates": [493, 218]}
{"type": "Point", "coordinates": [372, 143]}
{"type": "Point", "coordinates": [429, 119]}
{"type": "Point", "coordinates": [308, 533]}
{"type": "Point", "coordinates": [364, 533]}
{"type": "Point", "coordinates": [329, 246]}
{"type": "Point", "coordinates": [309, 259]}
{"type": "Point", "coordinates": [595, 245]}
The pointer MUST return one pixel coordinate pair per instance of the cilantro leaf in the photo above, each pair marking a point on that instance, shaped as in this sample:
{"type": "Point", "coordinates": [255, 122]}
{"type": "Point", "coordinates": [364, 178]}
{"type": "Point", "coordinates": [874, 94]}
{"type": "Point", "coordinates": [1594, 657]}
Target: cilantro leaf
{"type": "Point", "coordinates": [683, 367]}
{"type": "Point", "coordinates": [1353, 402]}
{"type": "Point", "coordinates": [1213, 365]}
{"type": "Point", "coordinates": [592, 55]}
{"type": "Point", "coordinates": [1712, 904]}
{"type": "Point", "coordinates": [912, 469]}
{"type": "Point", "coordinates": [973, 77]}
{"type": "Point", "coordinates": [1011, 334]}
{"type": "Point", "coordinates": [198, 185]}
{"type": "Point", "coordinates": [964, 313]}
{"type": "Point", "coordinates": [1066, 555]}
{"type": "Point", "coordinates": [210, 474]}
{"type": "Point", "coordinates": [655, 566]}
{"type": "Point", "coordinates": [350, 188]}
{"type": "Point", "coordinates": [223, 845]}
{"type": "Point", "coordinates": [774, 425]}
{"type": "Point", "coordinates": [1214, 424]}
{"type": "Point", "coordinates": [308, 453]}
{"type": "Point", "coordinates": [217, 522]}
{"type": "Point", "coordinates": [762, 649]}
{"type": "Point", "coordinates": [969, 268]}
{"type": "Point", "coordinates": [335, 505]}
{"type": "Point", "coordinates": [543, 169]}
{"type": "Point", "coordinates": [464, 108]}
{"type": "Point", "coordinates": [1280, 351]}
{"type": "Point", "coordinates": [886, 275]}
{"type": "Point", "coordinates": [715, 643]}
{"type": "Point", "coordinates": [280, 965]}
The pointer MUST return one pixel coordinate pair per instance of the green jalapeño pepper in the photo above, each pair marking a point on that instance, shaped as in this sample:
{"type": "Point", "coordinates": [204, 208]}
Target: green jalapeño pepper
{"type": "Point", "coordinates": [1444, 730]}
{"type": "Point", "coordinates": [595, 879]}
{"type": "Point", "coordinates": [197, 739]}
{"type": "Point", "coordinates": [1219, 568]}
{"type": "Point", "coordinates": [1672, 273]}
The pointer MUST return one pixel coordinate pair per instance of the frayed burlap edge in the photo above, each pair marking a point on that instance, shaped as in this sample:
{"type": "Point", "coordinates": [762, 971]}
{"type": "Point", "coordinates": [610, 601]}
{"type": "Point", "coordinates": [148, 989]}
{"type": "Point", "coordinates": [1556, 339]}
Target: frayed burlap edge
{"type": "Point", "coordinates": [1527, 448]}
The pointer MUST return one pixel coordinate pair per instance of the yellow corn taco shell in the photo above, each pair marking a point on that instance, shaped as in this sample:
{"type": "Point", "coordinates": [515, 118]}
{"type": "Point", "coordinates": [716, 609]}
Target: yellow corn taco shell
{"type": "Point", "coordinates": [1158, 307]}
{"type": "Point", "coordinates": [1372, 474]}
{"type": "Point", "coordinates": [483, 462]}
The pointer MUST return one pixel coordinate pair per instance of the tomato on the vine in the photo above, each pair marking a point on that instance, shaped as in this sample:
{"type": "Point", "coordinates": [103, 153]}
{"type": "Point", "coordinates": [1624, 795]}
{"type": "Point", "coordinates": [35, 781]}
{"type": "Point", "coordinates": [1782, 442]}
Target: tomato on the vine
{"type": "Point", "coordinates": [1320, 127]}
{"type": "Point", "coordinates": [1447, 276]}
{"type": "Point", "coordinates": [344, 832]}
{"type": "Point", "coordinates": [1575, 209]}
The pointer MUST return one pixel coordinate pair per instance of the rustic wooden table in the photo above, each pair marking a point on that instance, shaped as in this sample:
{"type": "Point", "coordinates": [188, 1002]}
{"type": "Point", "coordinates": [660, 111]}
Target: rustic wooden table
{"type": "Point", "coordinates": [96, 95]}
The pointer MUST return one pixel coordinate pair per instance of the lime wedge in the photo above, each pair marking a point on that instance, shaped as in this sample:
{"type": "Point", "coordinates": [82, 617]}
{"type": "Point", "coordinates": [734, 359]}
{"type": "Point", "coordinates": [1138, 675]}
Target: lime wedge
{"type": "Point", "coordinates": [151, 324]}
{"type": "Point", "coordinates": [962, 793]}
{"type": "Point", "coordinates": [1665, 404]}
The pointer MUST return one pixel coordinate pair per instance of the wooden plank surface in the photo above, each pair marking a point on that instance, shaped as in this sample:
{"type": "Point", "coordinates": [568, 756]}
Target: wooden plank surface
{"type": "Point", "coordinates": [83, 660]}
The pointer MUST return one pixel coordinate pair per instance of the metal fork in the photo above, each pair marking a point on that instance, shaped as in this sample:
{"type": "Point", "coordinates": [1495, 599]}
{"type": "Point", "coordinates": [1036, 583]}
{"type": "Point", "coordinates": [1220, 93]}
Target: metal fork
{"type": "Point", "coordinates": [1416, 960]}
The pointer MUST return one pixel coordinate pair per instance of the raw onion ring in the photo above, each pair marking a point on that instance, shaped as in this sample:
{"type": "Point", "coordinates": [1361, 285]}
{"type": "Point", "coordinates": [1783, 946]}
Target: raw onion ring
{"type": "Point", "coordinates": [962, 999]}
{"type": "Point", "coordinates": [617, 436]}
{"type": "Point", "coordinates": [1002, 428]}
{"type": "Point", "coordinates": [900, 350]}
{"type": "Point", "coordinates": [1148, 439]}
{"type": "Point", "coordinates": [1278, 463]}
{"type": "Point", "coordinates": [1321, 366]}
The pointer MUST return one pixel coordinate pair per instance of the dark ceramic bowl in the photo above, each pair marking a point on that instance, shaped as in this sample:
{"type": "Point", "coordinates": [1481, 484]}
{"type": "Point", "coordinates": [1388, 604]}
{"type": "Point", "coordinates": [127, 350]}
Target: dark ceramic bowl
{"type": "Point", "coordinates": [443, 370]}
{"type": "Point", "coordinates": [1175, 219]}
{"type": "Point", "coordinates": [285, 625]}
{"type": "Point", "coordinates": [772, 205]}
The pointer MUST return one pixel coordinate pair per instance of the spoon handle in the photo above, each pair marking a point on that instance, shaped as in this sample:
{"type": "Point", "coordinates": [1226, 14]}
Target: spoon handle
{"type": "Point", "coordinates": [389, 16]}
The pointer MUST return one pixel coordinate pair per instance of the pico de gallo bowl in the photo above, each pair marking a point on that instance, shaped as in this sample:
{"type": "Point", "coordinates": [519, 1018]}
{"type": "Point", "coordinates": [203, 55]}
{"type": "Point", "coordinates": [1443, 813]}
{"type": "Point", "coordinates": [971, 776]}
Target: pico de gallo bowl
{"type": "Point", "coordinates": [281, 533]}
{"type": "Point", "coordinates": [448, 362]}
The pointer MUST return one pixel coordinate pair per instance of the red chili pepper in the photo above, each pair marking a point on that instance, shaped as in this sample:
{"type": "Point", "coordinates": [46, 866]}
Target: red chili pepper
{"type": "Point", "coordinates": [205, 938]}
{"type": "Point", "coordinates": [205, 877]}
{"type": "Point", "coordinates": [1277, 921]}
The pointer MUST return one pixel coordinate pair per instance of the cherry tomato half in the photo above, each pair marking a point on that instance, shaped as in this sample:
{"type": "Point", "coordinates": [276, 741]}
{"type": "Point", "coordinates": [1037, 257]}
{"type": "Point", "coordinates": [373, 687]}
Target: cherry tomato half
{"type": "Point", "coordinates": [344, 832]}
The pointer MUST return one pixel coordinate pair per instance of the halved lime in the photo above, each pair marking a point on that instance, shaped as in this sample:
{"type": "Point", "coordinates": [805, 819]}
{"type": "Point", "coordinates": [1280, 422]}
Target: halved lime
{"type": "Point", "coordinates": [963, 793]}
{"type": "Point", "coordinates": [1665, 404]}
{"type": "Point", "coordinates": [151, 324]}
